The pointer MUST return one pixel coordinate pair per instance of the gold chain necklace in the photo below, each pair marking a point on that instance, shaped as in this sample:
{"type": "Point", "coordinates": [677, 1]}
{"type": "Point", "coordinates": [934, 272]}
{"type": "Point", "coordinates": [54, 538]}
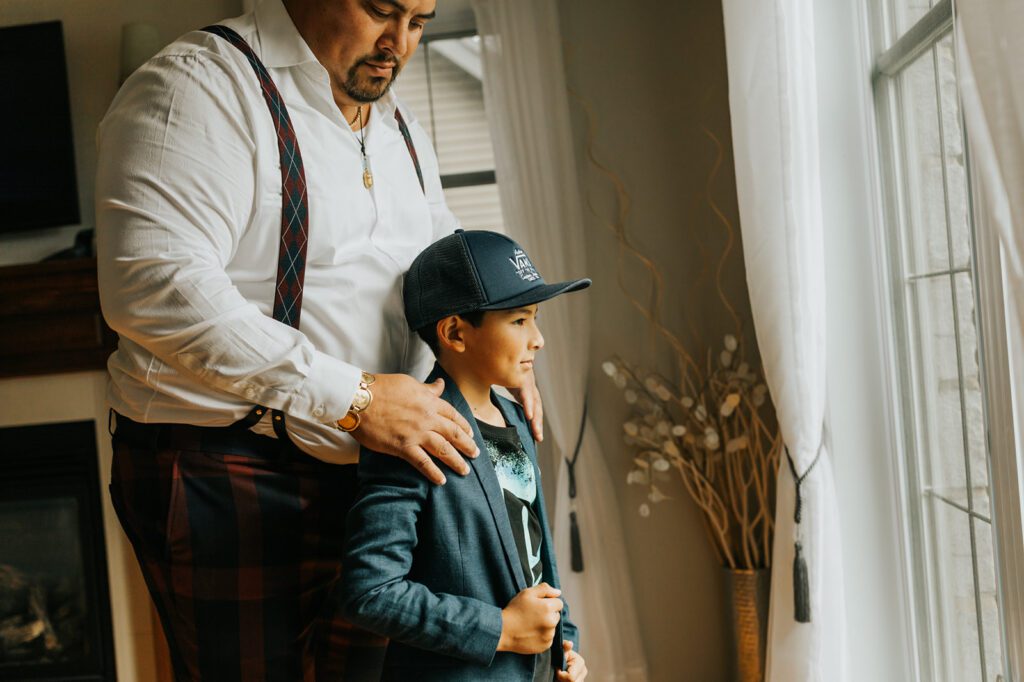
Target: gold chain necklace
{"type": "Point", "coordinates": [367, 175]}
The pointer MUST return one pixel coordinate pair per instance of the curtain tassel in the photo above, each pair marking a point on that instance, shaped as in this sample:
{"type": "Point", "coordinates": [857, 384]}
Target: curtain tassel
{"type": "Point", "coordinates": [575, 546]}
{"type": "Point", "coordinates": [801, 587]}
{"type": "Point", "coordinates": [801, 578]}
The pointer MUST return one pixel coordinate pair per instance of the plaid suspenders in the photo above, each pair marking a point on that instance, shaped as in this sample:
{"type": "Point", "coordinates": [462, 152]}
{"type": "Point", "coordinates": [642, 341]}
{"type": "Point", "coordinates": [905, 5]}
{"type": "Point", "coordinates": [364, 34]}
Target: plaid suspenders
{"type": "Point", "coordinates": [291, 259]}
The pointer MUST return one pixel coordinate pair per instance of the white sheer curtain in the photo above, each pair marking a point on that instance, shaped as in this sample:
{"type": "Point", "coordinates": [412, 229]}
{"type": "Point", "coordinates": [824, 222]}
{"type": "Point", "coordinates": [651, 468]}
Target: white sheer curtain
{"type": "Point", "coordinates": [773, 101]}
{"type": "Point", "coordinates": [991, 57]}
{"type": "Point", "coordinates": [528, 113]}
{"type": "Point", "coordinates": [990, 53]}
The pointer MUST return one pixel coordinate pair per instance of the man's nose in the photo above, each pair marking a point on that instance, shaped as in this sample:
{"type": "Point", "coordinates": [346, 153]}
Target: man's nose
{"type": "Point", "coordinates": [395, 40]}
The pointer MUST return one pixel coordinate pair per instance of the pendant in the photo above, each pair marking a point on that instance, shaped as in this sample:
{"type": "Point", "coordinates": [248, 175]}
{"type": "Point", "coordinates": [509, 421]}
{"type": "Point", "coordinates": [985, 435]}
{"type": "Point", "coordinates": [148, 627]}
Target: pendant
{"type": "Point", "coordinates": [367, 178]}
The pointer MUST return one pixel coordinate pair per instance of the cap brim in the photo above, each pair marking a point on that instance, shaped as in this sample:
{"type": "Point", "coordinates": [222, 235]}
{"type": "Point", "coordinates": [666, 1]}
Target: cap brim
{"type": "Point", "coordinates": [538, 294]}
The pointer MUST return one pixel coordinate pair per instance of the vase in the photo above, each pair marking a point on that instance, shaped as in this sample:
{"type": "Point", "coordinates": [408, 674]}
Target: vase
{"type": "Point", "coordinates": [747, 593]}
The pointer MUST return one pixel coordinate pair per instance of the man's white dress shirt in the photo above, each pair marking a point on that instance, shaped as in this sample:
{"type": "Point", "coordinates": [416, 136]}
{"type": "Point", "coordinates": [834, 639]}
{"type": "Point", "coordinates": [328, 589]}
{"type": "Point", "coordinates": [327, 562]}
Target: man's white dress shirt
{"type": "Point", "coordinates": [188, 203]}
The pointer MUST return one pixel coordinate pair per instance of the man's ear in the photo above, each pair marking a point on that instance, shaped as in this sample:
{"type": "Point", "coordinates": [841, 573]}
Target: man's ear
{"type": "Point", "coordinates": [449, 333]}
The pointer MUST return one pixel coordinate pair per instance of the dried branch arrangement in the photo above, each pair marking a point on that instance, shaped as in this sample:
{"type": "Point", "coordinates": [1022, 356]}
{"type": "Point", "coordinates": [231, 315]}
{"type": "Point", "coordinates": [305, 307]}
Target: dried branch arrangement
{"type": "Point", "coordinates": [714, 426]}
{"type": "Point", "coordinates": [711, 432]}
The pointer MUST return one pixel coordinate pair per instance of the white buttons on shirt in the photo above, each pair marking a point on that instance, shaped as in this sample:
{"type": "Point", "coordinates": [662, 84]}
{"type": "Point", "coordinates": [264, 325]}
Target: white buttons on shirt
{"type": "Point", "coordinates": [318, 411]}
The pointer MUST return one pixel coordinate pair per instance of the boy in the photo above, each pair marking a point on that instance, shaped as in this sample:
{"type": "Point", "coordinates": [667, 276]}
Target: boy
{"type": "Point", "coordinates": [462, 577]}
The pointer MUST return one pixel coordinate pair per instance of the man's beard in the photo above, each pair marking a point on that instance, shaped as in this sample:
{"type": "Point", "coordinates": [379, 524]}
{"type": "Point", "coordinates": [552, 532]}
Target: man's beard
{"type": "Point", "coordinates": [368, 89]}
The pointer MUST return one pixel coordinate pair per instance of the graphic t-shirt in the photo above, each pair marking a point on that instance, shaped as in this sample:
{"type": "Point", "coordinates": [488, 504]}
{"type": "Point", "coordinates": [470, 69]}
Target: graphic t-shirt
{"type": "Point", "coordinates": [518, 482]}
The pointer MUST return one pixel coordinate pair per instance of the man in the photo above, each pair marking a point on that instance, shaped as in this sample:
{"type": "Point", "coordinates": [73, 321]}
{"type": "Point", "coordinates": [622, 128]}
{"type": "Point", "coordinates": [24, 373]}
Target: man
{"type": "Point", "coordinates": [234, 422]}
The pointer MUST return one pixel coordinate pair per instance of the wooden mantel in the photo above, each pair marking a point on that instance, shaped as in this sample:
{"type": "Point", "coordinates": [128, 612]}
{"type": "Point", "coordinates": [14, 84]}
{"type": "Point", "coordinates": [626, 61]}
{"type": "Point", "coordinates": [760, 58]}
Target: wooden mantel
{"type": "Point", "coordinates": [50, 319]}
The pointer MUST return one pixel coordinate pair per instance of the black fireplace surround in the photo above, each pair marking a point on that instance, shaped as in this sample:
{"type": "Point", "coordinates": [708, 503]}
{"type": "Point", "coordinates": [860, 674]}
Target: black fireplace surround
{"type": "Point", "coordinates": [54, 600]}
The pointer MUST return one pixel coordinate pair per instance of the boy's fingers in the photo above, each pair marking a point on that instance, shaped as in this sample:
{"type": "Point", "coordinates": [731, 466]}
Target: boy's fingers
{"type": "Point", "coordinates": [545, 590]}
{"type": "Point", "coordinates": [567, 645]}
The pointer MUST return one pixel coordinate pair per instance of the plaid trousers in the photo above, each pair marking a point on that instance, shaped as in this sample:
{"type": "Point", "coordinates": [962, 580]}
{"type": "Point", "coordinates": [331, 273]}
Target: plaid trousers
{"type": "Point", "coordinates": [241, 550]}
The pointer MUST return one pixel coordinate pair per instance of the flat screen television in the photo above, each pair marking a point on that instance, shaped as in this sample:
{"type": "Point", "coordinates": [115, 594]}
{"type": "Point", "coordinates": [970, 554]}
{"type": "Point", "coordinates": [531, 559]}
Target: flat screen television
{"type": "Point", "coordinates": [38, 187]}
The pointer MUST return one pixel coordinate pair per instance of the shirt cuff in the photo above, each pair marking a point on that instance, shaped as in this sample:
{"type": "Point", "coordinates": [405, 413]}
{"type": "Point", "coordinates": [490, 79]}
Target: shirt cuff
{"type": "Point", "coordinates": [327, 392]}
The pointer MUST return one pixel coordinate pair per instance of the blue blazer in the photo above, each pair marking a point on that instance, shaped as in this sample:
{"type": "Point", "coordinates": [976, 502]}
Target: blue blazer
{"type": "Point", "coordinates": [432, 566]}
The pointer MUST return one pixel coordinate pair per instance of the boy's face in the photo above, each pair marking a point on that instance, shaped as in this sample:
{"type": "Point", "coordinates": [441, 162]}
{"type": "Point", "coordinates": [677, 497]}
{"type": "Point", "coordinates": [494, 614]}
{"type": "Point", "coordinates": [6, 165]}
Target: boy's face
{"type": "Point", "coordinates": [501, 350]}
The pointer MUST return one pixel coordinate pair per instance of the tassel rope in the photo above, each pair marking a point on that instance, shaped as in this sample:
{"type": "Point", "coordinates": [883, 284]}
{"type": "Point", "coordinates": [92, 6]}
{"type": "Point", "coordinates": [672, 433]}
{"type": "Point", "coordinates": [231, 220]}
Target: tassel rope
{"type": "Point", "coordinates": [575, 545]}
{"type": "Point", "coordinates": [801, 579]}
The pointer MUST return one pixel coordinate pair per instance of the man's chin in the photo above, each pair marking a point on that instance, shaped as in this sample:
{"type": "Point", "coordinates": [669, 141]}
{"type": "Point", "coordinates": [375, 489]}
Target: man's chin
{"type": "Point", "coordinates": [369, 90]}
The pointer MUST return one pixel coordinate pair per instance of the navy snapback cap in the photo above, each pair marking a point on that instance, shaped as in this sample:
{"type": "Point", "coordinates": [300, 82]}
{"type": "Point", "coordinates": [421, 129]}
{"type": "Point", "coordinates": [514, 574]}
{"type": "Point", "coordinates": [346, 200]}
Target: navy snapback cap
{"type": "Point", "coordinates": [474, 270]}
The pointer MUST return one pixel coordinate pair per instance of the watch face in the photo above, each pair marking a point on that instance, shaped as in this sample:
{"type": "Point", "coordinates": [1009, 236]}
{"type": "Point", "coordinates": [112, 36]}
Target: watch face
{"type": "Point", "coordinates": [349, 422]}
{"type": "Point", "coordinates": [361, 400]}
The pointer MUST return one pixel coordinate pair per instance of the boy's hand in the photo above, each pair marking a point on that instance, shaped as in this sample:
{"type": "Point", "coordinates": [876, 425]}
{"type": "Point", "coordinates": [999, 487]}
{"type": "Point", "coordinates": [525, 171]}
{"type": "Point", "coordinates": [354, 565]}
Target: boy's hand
{"type": "Point", "coordinates": [529, 397]}
{"type": "Point", "coordinates": [576, 666]}
{"type": "Point", "coordinates": [529, 621]}
{"type": "Point", "coordinates": [409, 420]}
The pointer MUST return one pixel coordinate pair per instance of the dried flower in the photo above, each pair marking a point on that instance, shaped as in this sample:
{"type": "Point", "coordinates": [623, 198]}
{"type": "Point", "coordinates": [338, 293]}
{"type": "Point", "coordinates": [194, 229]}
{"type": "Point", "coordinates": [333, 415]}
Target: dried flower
{"type": "Point", "coordinates": [706, 434]}
{"type": "Point", "coordinates": [656, 495]}
{"type": "Point", "coordinates": [638, 477]}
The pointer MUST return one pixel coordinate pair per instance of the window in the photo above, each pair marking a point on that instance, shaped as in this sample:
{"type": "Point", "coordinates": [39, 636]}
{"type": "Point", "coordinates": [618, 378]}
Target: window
{"type": "Point", "coordinates": [930, 240]}
{"type": "Point", "coordinates": [443, 86]}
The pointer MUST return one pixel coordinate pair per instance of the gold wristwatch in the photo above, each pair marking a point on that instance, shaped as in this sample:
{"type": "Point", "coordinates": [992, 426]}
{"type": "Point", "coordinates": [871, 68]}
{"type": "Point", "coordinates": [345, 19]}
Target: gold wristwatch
{"type": "Point", "coordinates": [361, 401]}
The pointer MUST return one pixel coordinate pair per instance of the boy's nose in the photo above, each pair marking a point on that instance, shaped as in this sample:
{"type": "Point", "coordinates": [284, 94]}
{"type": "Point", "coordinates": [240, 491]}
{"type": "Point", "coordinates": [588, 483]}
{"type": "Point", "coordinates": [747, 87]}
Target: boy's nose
{"type": "Point", "coordinates": [538, 341]}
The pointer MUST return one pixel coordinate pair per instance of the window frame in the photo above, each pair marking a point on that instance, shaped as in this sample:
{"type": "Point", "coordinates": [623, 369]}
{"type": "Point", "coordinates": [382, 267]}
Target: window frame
{"type": "Point", "coordinates": [994, 364]}
{"type": "Point", "coordinates": [453, 180]}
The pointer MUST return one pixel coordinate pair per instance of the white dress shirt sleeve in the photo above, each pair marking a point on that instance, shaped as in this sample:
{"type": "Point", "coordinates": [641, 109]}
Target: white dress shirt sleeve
{"type": "Point", "coordinates": [175, 190]}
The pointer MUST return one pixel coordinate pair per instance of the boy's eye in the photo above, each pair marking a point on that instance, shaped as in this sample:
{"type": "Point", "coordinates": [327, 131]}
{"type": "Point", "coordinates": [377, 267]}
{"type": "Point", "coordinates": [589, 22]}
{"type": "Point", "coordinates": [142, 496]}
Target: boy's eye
{"type": "Point", "coordinates": [521, 321]}
{"type": "Point", "coordinates": [378, 12]}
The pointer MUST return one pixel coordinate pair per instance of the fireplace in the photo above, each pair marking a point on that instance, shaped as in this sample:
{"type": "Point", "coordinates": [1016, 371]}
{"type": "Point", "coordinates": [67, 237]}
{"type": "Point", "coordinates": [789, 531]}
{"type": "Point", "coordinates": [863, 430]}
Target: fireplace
{"type": "Point", "coordinates": [55, 618]}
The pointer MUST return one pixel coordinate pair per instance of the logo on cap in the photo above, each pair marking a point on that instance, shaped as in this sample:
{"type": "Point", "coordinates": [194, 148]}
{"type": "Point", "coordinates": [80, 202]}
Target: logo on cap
{"type": "Point", "coordinates": [524, 268]}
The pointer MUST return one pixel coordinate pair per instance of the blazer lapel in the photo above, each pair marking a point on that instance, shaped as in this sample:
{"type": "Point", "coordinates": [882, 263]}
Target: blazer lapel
{"type": "Point", "coordinates": [484, 471]}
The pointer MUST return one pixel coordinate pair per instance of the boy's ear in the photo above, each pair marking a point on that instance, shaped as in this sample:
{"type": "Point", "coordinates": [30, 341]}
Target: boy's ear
{"type": "Point", "coordinates": [449, 333]}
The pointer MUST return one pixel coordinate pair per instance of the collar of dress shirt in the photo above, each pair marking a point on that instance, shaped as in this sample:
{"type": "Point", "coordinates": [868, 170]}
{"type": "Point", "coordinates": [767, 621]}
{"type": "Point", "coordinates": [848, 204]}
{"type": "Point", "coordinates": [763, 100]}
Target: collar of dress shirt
{"type": "Point", "coordinates": [280, 42]}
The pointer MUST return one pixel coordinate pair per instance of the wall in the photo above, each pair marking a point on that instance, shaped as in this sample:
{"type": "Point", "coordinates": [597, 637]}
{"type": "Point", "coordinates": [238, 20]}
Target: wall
{"type": "Point", "coordinates": [654, 76]}
{"type": "Point", "coordinates": [92, 38]}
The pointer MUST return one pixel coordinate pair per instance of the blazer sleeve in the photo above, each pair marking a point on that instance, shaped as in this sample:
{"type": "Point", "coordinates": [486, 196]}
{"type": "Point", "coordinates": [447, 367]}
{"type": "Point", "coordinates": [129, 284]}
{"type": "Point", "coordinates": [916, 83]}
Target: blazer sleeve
{"type": "Point", "coordinates": [376, 592]}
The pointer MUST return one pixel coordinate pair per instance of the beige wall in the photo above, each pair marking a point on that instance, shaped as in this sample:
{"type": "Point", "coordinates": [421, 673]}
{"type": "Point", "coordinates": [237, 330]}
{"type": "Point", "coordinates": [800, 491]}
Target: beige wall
{"type": "Point", "coordinates": [654, 75]}
{"type": "Point", "coordinates": [92, 42]}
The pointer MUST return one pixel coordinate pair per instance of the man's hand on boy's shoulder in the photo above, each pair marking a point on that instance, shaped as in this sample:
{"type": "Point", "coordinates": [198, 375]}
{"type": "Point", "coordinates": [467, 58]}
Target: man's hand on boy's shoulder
{"type": "Point", "coordinates": [576, 667]}
{"type": "Point", "coordinates": [409, 420]}
{"type": "Point", "coordinates": [529, 397]}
